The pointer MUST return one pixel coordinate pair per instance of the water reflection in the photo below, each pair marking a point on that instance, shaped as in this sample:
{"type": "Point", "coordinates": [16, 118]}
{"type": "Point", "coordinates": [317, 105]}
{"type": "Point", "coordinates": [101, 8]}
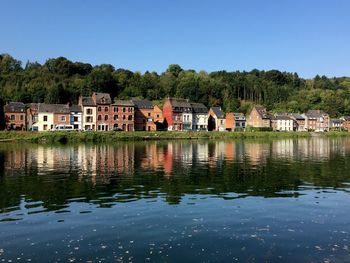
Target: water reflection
{"type": "Point", "coordinates": [121, 172]}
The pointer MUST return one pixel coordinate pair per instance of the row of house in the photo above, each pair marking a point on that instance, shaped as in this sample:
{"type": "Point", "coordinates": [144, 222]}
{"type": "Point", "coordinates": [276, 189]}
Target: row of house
{"type": "Point", "coordinates": [100, 113]}
{"type": "Point", "coordinates": [312, 120]}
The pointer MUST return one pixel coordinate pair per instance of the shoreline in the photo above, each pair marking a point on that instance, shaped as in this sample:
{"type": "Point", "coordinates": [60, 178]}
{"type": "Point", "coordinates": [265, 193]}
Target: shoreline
{"type": "Point", "coordinates": [64, 137]}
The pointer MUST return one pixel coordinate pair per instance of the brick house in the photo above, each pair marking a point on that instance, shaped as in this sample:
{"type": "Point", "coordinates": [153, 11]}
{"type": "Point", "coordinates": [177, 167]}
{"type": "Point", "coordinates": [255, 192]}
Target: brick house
{"type": "Point", "coordinates": [122, 115]}
{"type": "Point", "coordinates": [259, 118]}
{"type": "Point", "coordinates": [15, 116]}
{"type": "Point", "coordinates": [148, 117]}
{"type": "Point", "coordinates": [103, 103]}
{"type": "Point", "coordinates": [235, 121]}
{"type": "Point", "coordinates": [177, 114]}
{"type": "Point", "coordinates": [317, 120]}
{"type": "Point", "coordinates": [216, 119]}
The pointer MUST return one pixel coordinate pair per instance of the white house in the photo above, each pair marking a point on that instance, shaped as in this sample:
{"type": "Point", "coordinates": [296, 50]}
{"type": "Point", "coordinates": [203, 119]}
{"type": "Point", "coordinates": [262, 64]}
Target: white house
{"type": "Point", "coordinates": [76, 117]}
{"type": "Point", "coordinates": [199, 117]}
{"type": "Point", "coordinates": [284, 123]}
{"type": "Point", "coordinates": [50, 115]}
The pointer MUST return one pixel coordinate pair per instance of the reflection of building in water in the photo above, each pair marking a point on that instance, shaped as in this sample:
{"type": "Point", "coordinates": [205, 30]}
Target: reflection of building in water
{"type": "Point", "coordinates": [284, 148]}
{"type": "Point", "coordinates": [200, 151]}
{"type": "Point", "coordinates": [168, 159]}
{"type": "Point", "coordinates": [257, 152]}
{"type": "Point", "coordinates": [14, 159]}
{"type": "Point", "coordinates": [153, 158]}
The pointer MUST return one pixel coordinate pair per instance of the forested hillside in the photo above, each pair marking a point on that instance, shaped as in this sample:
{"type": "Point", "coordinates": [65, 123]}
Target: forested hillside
{"type": "Point", "coordinates": [60, 80]}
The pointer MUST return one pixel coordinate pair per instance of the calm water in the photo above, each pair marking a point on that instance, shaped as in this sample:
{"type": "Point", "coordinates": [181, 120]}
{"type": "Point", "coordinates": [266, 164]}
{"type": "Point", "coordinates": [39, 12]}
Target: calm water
{"type": "Point", "coordinates": [221, 201]}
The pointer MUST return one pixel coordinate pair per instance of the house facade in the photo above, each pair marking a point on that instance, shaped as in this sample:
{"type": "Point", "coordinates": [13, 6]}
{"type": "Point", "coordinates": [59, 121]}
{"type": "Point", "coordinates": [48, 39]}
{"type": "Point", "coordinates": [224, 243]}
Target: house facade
{"type": "Point", "coordinates": [235, 121]}
{"type": "Point", "coordinates": [335, 124]}
{"type": "Point", "coordinates": [177, 114]}
{"type": "Point", "coordinates": [103, 103]}
{"type": "Point", "coordinates": [76, 117]}
{"type": "Point", "coordinates": [317, 120]}
{"type": "Point", "coordinates": [122, 115]}
{"type": "Point", "coordinates": [15, 116]}
{"type": "Point", "coordinates": [51, 115]}
{"type": "Point", "coordinates": [299, 121]}
{"type": "Point", "coordinates": [284, 123]}
{"type": "Point", "coordinates": [216, 119]}
{"type": "Point", "coordinates": [199, 117]}
{"type": "Point", "coordinates": [32, 115]}
{"type": "Point", "coordinates": [259, 118]}
{"type": "Point", "coordinates": [345, 123]}
{"type": "Point", "coordinates": [148, 117]}
{"type": "Point", "coordinates": [88, 107]}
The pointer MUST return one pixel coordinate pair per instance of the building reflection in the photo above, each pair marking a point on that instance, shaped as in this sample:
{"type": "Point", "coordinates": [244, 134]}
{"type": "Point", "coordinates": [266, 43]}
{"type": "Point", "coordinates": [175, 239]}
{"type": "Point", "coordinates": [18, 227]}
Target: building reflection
{"type": "Point", "coordinates": [101, 162]}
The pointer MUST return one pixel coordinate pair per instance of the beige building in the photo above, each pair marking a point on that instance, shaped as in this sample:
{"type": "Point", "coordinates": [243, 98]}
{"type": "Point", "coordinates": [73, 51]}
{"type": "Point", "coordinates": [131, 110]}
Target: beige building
{"type": "Point", "coordinates": [89, 113]}
{"type": "Point", "coordinates": [216, 119]}
{"type": "Point", "coordinates": [259, 118]}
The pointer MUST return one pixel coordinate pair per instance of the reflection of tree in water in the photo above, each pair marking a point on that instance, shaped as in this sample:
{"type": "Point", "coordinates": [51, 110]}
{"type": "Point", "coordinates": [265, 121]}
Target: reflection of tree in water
{"type": "Point", "coordinates": [134, 171]}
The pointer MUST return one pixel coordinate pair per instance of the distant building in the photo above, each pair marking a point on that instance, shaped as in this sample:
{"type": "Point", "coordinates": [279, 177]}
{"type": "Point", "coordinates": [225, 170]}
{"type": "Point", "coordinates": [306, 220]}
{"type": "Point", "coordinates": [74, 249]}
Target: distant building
{"type": "Point", "coordinates": [299, 121]}
{"type": "Point", "coordinates": [317, 120]}
{"type": "Point", "coordinates": [284, 123]}
{"type": "Point", "coordinates": [216, 119]}
{"type": "Point", "coordinates": [103, 102]}
{"type": "Point", "coordinates": [32, 115]}
{"type": "Point", "coordinates": [15, 116]}
{"type": "Point", "coordinates": [50, 115]}
{"type": "Point", "coordinates": [199, 117]}
{"type": "Point", "coordinates": [122, 115]}
{"type": "Point", "coordinates": [335, 124]}
{"type": "Point", "coordinates": [177, 114]}
{"type": "Point", "coordinates": [345, 122]}
{"type": "Point", "coordinates": [259, 118]}
{"type": "Point", "coordinates": [148, 117]}
{"type": "Point", "coordinates": [89, 113]}
{"type": "Point", "coordinates": [76, 117]}
{"type": "Point", "coordinates": [235, 121]}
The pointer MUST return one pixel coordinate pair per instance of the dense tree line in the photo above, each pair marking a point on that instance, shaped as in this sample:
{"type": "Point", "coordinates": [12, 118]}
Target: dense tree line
{"type": "Point", "coordinates": [60, 80]}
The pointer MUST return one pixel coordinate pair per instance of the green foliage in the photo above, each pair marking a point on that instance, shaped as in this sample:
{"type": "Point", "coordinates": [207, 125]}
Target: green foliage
{"type": "Point", "coordinates": [60, 80]}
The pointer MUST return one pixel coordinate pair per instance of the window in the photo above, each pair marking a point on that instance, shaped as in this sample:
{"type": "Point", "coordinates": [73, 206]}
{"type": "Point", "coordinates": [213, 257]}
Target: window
{"type": "Point", "coordinates": [106, 109]}
{"type": "Point", "coordinates": [130, 118]}
{"type": "Point", "coordinates": [99, 109]}
{"type": "Point", "coordinates": [63, 118]}
{"type": "Point", "coordinates": [106, 117]}
{"type": "Point", "coordinates": [13, 117]}
{"type": "Point", "coordinates": [99, 117]}
{"type": "Point", "coordinates": [157, 115]}
{"type": "Point", "coordinates": [45, 118]}
{"type": "Point", "coordinates": [45, 127]}
{"type": "Point", "coordinates": [75, 119]}
{"type": "Point", "coordinates": [149, 114]}
{"type": "Point", "coordinates": [21, 117]}
{"type": "Point", "coordinates": [88, 111]}
{"type": "Point", "coordinates": [123, 117]}
{"type": "Point", "coordinates": [115, 117]}
{"type": "Point", "coordinates": [123, 109]}
{"type": "Point", "coordinates": [115, 109]}
{"type": "Point", "coordinates": [89, 119]}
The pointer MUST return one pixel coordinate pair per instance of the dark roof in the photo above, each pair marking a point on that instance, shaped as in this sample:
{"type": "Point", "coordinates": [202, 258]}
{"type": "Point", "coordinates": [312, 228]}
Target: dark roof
{"type": "Point", "coordinates": [15, 107]}
{"type": "Point", "coordinates": [53, 108]}
{"type": "Point", "coordinates": [123, 103]}
{"type": "Point", "coordinates": [180, 105]}
{"type": "Point", "coordinates": [296, 116]}
{"type": "Point", "coordinates": [239, 115]}
{"type": "Point", "coordinates": [336, 121]}
{"type": "Point", "coordinates": [198, 107]}
{"type": "Point", "coordinates": [218, 112]}
{"type": "Point", "coordinates": [282, 117]}
{"type": "Point", "coordinates": [262, 112]}
{"type": "Point", "coordinates": [315, 113]}
{"type": "Point", "coordinates": [75, 108]}
{"type": "Point", "coordinates": [143, 104]}
{"type": "Point", "coordinates": [102, 98]}
{"type": "Point", "coordinates": [87, 101]}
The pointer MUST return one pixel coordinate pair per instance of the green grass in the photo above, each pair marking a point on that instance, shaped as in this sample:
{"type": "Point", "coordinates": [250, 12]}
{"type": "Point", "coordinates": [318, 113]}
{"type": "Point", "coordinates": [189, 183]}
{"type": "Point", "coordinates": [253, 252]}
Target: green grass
{"type": "Point", "coordinates": [63, 137]}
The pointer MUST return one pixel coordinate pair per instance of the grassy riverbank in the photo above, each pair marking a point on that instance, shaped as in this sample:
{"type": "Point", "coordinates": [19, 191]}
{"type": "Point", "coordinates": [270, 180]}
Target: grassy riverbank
{"type": "Point", "coordinates": [64, 137]}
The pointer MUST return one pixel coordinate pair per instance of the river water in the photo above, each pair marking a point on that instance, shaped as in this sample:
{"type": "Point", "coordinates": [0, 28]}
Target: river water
{"type": "Point", "coordinates": [180, 201]}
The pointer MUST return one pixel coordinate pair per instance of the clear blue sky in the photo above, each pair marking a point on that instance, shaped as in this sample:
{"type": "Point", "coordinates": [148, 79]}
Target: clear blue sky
{"type": "Point", "coordinates": [305, 36]}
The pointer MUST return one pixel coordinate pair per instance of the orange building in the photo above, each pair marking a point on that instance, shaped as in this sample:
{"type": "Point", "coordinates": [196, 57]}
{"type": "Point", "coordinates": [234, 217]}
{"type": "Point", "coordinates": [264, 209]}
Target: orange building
{"type": "Point", "coordinates": [148, 117]}
{"type": "Point", "coordinates": [235, 120]}
{"type": "Point", "coordinates": [15, 116]}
